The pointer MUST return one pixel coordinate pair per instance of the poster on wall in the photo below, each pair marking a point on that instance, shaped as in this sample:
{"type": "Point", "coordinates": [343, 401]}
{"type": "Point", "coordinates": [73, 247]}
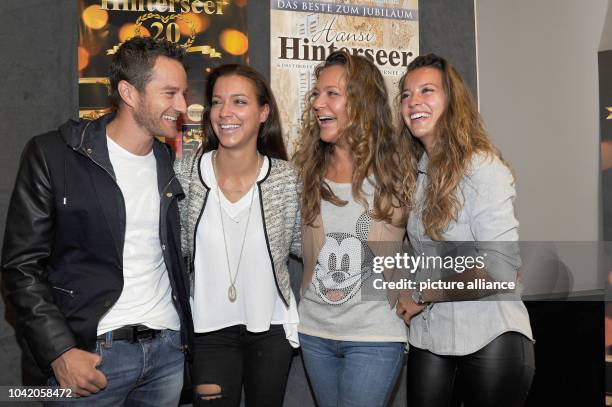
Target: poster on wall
{"type": "Point", "coordinates": [211, 32]}
{"type": "Point", "coordinates": [303, 33]}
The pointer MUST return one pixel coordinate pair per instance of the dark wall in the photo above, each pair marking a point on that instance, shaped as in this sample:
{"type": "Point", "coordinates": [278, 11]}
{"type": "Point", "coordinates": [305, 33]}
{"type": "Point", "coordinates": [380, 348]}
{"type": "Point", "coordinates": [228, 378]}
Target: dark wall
{"type": "Point", "coordinates": [569, 353]}
{"type": "Point", "coordinates": [447, 28]}
{"type": "Point", "coordinates": [38, 91]}
{"type": "Point", "coordinates": [38, 74]}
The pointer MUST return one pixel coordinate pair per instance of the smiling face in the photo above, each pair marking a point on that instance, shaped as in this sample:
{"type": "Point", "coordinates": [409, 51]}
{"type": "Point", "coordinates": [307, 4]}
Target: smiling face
{"type": "Point", "coordinates": [329, 103]}
{"type": "Point", "coordinates": [235, 113]}
{"type": "Point", "coordinates": [423, 102]}
{"type": "Point", "coordinates": [163, 99]}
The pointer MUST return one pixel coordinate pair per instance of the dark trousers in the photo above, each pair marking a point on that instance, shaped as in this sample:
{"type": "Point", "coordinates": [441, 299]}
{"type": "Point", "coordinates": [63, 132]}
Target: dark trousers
{"type": "Point", "coordinates": [497, 375]}
{"type": "Point", "coordinates": [233, 357]}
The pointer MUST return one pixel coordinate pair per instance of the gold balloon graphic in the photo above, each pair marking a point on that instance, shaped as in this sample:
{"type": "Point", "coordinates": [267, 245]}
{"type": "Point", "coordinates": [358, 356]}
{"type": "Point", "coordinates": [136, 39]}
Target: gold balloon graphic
{"type": "Point", "coordinates": [234, 41]}
{"type": "Point", "coordinates": [128, 31]}
{"type": "Point", "coordinates": [200, 23]}
{"type": "Point", "coordinates": [83, 58]}
{"type": "Point", "coordinates": [94, 17]}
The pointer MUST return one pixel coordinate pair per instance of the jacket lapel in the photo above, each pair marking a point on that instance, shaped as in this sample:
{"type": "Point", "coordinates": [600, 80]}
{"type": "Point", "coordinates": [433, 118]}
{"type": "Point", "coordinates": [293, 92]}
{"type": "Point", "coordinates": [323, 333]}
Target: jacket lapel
{"type": "Point", "coordinates": [94, 146]}
{"type": "Point", "coordinates": [167, 183]}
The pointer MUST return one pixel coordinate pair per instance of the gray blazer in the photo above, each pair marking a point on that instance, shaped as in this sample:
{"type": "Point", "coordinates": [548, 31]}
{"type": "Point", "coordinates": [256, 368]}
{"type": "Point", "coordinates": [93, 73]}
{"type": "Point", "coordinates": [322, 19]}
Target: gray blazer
{"type": "Point", "coordinates": [278, 194]}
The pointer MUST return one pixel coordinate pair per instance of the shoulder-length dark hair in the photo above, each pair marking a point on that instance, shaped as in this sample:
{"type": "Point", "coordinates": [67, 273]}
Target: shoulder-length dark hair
{"type": "Point", "coordinates": [270, 136]}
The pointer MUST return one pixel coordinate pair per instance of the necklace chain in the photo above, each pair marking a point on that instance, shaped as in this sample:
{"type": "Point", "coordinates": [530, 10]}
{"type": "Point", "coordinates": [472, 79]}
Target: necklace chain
{"type": "Point", "coordinates": [231, 292]}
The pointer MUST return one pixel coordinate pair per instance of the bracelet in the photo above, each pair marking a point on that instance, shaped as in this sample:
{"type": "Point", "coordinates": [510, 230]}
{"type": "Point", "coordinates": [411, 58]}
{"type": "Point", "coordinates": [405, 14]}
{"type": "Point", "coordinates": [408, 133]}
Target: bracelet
{"type": "Point", "coordinates": [417, 297]}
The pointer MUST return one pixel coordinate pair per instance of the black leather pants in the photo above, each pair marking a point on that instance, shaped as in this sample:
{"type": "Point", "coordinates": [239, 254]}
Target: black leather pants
{"type": "Point", "coordinates": [497, 375]}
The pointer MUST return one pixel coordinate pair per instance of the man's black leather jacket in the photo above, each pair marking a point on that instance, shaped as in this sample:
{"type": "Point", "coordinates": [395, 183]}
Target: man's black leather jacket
{"type": "Point", "coordinates": [63, 246]}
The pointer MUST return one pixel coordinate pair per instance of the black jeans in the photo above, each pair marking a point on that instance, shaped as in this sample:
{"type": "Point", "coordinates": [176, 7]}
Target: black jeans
{"type": "Point", "coordinates": [233, 357]}
{"type": "Point", "coordinates": [497, 375]}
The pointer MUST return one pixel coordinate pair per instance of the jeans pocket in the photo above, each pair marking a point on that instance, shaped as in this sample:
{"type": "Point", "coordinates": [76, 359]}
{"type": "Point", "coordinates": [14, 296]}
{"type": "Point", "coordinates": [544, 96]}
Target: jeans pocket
{"type": "Point", "coordinates": [52, 381]}
{"type": "Point", "coordinates": [100, 352]}
{"type": "Point", "coordinates": [174, 340]}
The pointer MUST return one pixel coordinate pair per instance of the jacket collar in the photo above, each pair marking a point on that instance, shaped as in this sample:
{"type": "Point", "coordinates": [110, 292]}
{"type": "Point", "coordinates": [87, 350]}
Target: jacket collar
{"type": "Point", "coordinates": [166, 178]}
{"type": "Point", "coordinates": [89, 139]}
{"type": "Point", "coordinates": [423, 163]}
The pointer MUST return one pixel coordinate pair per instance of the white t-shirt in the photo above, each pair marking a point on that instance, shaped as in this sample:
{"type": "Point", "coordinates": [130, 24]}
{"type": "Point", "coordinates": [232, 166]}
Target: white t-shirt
{"type": "Point", "coordinates": [147, 296]}
{"type": "Point", "coordinates": [258, 303]}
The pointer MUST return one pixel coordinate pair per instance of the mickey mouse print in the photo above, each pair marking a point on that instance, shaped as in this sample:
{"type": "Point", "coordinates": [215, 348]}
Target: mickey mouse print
{"type": "Point", "coordinates": [344, 263]}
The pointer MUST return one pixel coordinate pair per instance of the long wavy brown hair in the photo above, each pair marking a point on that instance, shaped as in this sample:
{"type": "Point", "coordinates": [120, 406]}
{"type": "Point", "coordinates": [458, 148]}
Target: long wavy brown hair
{"type": "Point", "coordinates": [377, 149]}
{"type": "Point", "coordinates": [459, 134]}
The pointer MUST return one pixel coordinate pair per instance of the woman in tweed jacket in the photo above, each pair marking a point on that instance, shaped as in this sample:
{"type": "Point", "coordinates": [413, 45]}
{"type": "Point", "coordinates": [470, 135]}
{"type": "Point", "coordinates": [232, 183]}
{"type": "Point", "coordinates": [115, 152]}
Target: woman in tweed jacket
{"type": "Point", "coordinates": [240, 221]}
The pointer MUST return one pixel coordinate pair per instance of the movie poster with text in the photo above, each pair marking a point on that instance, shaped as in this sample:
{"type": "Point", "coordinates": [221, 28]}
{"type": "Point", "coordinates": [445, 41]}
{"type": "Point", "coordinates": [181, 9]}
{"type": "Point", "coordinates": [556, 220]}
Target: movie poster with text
{"type": "Point", "coordinates": [304, 32]}
{"type": "Point", "coordinates": [211, 32]}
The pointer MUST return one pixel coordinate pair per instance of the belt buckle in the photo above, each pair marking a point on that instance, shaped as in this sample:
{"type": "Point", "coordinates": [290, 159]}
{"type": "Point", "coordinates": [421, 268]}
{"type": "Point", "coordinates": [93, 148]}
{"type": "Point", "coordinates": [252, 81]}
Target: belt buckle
{"type": "Point", "coordinates": [142, 332]}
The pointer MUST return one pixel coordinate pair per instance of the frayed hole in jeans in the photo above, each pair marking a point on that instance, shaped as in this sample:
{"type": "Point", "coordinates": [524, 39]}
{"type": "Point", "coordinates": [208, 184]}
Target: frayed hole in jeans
{"type": "Point", "coordinates": [209, 392]}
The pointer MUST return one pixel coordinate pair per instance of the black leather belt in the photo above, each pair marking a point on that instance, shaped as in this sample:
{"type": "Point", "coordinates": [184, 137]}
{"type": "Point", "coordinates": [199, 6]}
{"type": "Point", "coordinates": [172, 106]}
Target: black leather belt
{"type": "Point", "coordinates": [132, 333]}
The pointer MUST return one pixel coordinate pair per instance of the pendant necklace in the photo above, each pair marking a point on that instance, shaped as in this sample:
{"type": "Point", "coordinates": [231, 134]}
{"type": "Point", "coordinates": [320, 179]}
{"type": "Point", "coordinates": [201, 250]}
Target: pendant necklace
{"type": "Point", "coordinates": [231, 292]}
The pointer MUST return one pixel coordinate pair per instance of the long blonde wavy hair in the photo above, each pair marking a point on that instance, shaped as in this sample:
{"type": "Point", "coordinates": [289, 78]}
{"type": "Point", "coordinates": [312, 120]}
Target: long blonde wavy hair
{"type": "Point", "coordinates": [459, 134]}
{"type": "Point", "coordinates": [377, 149]}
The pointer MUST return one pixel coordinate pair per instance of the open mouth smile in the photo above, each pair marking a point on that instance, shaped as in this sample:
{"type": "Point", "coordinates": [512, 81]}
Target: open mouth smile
{"type": "Point", "coordinates": [324, 120]}
{"type": "Point", "coordinates": [419, 116]}
{"type": "Point", "coordinates": [229, 126]}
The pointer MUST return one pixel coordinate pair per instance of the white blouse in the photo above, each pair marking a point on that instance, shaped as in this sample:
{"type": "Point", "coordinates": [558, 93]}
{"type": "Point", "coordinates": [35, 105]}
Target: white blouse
{"type": "Point", "coordinates": [258, 303]}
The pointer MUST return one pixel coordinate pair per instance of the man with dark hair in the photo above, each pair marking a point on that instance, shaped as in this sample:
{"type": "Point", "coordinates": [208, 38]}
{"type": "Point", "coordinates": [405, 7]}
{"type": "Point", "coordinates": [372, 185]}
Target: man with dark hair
{"type": "Point", "coordinates": [134, 64]}
{"type": "Point", "coordinates": [91, 258]}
